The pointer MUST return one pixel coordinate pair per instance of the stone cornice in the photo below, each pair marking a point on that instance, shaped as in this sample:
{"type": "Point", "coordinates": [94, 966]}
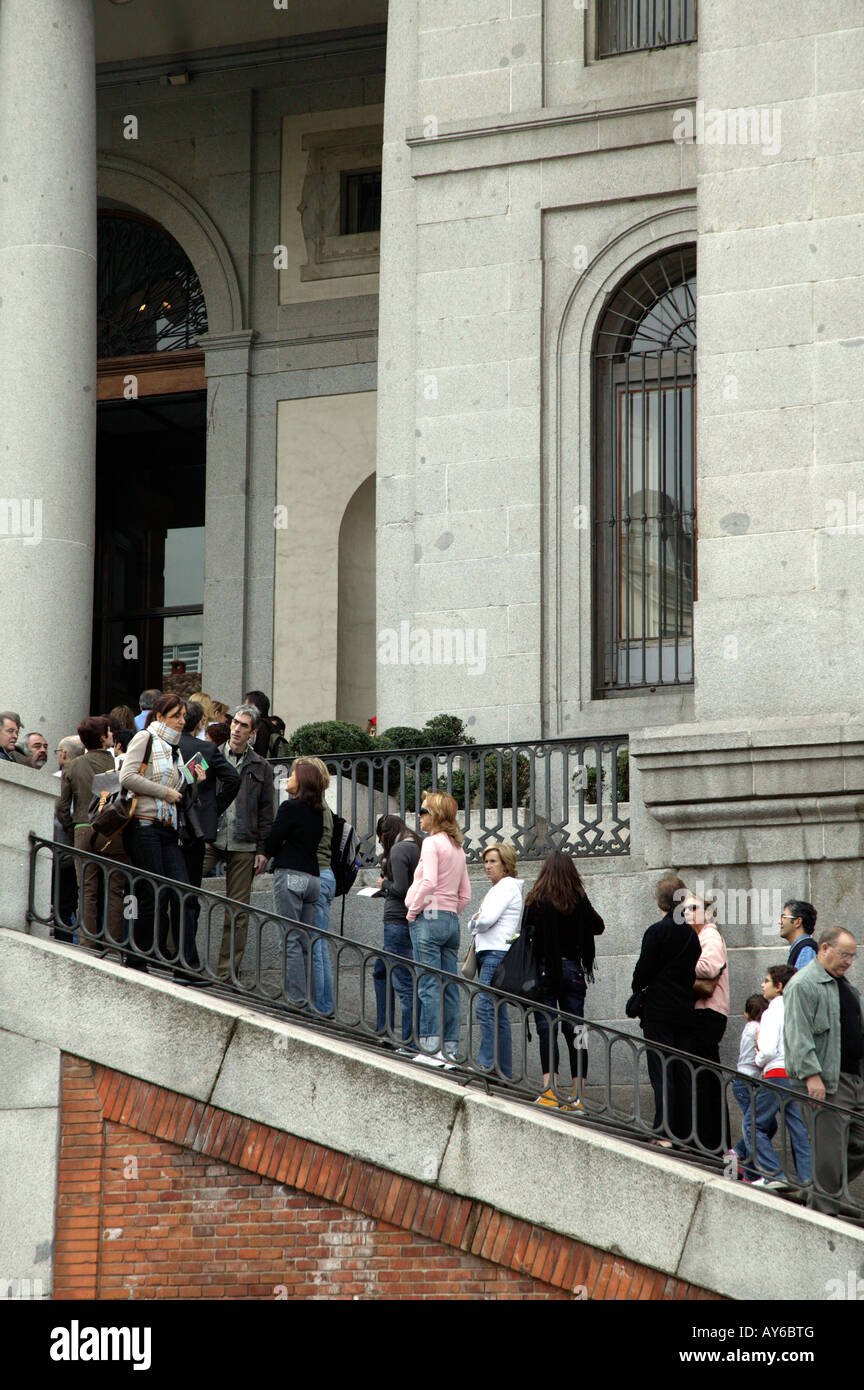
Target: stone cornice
{"type": "Point", "coordinates": [544, 120]}
{"type": "Point", "coordinates": [298, 48]}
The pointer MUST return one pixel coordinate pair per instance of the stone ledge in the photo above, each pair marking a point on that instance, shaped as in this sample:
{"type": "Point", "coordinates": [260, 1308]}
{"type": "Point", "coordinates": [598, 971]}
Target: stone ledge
{"type": "Point", "coordinates": [423, 1126]}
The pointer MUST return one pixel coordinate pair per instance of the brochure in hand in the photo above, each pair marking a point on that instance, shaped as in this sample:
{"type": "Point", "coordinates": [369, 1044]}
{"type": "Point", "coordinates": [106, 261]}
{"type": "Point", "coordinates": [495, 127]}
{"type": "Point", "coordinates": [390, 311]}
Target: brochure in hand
{"type": "Point", "coordinates": [188, 769]}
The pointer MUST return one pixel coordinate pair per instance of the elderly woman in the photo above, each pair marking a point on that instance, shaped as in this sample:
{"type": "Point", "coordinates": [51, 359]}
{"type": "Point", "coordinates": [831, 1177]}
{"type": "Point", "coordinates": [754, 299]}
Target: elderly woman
{"type": "Point", "coordinates": [711, 1014]}
{"type": "Point", "coordinates": [493, 928]}
{"type": "Point", "coordinates": [436, 897]}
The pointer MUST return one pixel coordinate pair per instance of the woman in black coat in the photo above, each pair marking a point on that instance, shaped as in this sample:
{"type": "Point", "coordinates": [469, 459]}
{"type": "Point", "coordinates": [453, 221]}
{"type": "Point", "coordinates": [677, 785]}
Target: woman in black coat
{"type": "Point", "coordinates": [664, 999]}
{"type": "Point", "coordinates": [562, 925]}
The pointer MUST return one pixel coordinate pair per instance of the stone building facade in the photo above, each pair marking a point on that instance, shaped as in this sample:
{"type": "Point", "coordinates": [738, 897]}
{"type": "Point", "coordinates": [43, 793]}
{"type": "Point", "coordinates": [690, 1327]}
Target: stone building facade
{"type": "Point", "coordinates": [462, 468]}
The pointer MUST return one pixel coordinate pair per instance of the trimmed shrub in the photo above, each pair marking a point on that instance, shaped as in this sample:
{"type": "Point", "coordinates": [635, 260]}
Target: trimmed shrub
{"type": "Point", "coordinates": [445, 731]}
{"type": "Point", "coordinates": [329, 736]}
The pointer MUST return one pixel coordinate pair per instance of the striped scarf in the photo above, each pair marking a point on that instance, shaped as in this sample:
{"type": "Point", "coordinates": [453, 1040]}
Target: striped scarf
{"type": "Point", "coordinates": [165, 739]}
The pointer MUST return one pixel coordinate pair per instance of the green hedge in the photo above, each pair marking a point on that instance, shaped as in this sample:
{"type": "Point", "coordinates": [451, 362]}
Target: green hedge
{"type": "Point", "coordinates": [329, 736]}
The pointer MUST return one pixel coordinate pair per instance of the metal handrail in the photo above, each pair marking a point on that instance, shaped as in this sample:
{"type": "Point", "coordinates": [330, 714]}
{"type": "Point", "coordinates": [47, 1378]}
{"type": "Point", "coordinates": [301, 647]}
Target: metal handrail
{"type": "Point", "coordinates": [540, 795]}
{"type": "Point", "coordinates": [614, 1102]}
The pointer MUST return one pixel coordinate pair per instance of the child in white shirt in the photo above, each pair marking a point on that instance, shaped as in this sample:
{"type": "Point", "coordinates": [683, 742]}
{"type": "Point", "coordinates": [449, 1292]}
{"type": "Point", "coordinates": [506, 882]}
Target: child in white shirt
{"type": "Point", "coordinates": [753, 1011]}
{"type": "Point", "coordinates": [771, 1060]}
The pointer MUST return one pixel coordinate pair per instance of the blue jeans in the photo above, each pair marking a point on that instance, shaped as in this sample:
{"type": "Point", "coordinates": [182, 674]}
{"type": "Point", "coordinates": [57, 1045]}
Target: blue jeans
{"type": "Point", "coordinates": [295, 895]}
{"type": "Point", "coordinates": [397, 940]}
{"type": "Point", "coordinates": [435, 939]}
{"type": "Point", "coordinates": [321, 971]}
{"type": "Point", "coordinates": [487, 1007]}
{"type": "Point", "coordinates": [765, 1107]}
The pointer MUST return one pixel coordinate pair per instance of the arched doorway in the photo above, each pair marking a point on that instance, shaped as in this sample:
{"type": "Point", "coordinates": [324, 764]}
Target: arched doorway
{"type": "Point", "coordinates": [150, 460]}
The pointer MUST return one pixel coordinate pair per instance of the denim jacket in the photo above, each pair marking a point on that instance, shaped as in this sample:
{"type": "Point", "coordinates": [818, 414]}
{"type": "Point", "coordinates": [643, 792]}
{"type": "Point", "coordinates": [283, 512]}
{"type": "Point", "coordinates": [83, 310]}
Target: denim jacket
{"type": "Point", "coordinates": [811, 1025]}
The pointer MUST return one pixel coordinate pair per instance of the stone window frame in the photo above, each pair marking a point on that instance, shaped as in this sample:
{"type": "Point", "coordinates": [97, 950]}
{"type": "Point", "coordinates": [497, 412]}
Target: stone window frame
{"type": "Point", "coordinates": [661, 371]}
{"type": "Point", "coordinates": [569, 697]}
{"type": "Point", "coordinates": [316, 148]}
{"type": "Point", "coordinates": [332, 153]}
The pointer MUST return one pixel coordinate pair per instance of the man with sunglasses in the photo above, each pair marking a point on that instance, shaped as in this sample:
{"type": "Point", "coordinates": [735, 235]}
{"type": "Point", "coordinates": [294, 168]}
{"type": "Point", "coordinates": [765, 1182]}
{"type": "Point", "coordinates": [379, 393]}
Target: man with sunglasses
{"type": "Point", "coordinates": [823, 1031]}
{"type": "Point", "coordinates": [797, 926]}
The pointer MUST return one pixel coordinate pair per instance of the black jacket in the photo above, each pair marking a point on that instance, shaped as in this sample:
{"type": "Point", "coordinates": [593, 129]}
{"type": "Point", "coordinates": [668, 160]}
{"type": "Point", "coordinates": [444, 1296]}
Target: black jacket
{"type": "Point", "coordinates": [561, 936]}
{"type": "Point", "coordinates": [293, 841]}
{"type": "Point", "coordinates": [404, 858]}
{"type": "Point", "coordinates": [667, 967]}
{"type": "Point", "coordinates": [219, 788]}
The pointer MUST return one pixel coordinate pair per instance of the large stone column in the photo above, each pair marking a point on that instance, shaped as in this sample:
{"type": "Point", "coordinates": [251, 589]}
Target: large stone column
{"type": "Point", "coordinates": [47, 358]}
{"type": "Point", "coordinates": [226, 555]}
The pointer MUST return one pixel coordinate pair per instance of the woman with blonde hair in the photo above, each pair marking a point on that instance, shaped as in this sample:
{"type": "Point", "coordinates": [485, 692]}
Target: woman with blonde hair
{"type": "Point", "coordinates": [199, 698]}
{"type": "Point", "coordinates": [322, 972]}
{"type": "Point", "coordinates": [433, 902]}
{"type": "Point", "coordinates": [493, 928]}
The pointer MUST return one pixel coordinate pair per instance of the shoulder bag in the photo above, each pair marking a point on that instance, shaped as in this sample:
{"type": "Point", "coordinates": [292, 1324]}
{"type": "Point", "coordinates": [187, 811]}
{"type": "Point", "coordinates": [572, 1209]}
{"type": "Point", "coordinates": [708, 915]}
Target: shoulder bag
{"type": "Point", "coordinates": [114, 810]}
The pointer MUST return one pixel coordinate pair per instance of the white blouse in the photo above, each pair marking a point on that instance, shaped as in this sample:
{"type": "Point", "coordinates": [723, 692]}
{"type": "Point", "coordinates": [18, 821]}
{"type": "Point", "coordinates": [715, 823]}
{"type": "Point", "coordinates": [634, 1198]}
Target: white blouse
{"type": "Point", "coordinates": [498, 918]}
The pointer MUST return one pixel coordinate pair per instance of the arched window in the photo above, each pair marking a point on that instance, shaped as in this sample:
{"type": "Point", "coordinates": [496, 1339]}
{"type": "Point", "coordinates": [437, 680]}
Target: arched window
{"type": "Point", "coordinates": [645, 477]}
{"type": "Point", "coordinates": [149, 297]}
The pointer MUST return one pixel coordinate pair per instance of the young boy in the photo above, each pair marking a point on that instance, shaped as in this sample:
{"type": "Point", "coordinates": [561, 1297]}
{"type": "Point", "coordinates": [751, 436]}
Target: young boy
{"type": "Point", "coordinates": [770, 1059]}
{"type": "Point", "coordinates": [744, 1094]}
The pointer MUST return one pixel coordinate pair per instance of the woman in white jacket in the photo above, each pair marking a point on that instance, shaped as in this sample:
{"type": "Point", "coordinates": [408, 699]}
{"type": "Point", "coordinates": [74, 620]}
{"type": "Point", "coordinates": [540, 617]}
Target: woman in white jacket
{"type": "Point", "coordinates": [493, 928]}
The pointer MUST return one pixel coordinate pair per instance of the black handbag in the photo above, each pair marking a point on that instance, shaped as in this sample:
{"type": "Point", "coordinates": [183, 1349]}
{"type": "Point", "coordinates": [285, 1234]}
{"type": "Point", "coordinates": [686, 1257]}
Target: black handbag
{"type": "Point", "coordinates": [189, 824]}
{"type": "Point", "coordinates": [519, 971]}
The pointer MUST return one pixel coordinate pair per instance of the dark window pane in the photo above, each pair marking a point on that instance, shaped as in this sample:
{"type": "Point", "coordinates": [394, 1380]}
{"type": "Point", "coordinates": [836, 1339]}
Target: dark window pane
{"type": "Point", "coordinates": [361, 202]}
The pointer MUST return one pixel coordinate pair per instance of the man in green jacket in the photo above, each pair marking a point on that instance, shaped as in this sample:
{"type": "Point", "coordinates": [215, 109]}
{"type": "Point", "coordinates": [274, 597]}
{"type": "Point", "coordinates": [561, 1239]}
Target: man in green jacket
{"type": "Point", "coordinates": [823, 1031]}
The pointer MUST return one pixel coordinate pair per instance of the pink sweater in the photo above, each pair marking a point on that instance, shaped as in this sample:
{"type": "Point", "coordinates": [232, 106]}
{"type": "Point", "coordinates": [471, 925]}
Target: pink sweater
{"type": "Point", "coordinates": [709, 964]}
{"type": "Point", "coordinates": [440, 879]}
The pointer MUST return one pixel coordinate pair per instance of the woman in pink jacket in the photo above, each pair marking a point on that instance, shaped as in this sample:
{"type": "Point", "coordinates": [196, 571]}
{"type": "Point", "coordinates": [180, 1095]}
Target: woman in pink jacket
{"type": "Point", "coordinates": [434, 900]}
{"type": "Point", "coordinates": [711, 987]}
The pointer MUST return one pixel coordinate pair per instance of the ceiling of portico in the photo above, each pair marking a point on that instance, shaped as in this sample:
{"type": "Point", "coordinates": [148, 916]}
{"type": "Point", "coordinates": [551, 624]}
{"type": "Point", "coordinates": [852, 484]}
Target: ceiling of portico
{"type": "Point", "coordinates": [151, 28]}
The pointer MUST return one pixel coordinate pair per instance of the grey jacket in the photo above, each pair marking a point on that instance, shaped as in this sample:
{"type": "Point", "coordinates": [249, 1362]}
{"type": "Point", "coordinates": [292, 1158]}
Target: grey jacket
{"type": "Point", "coordinates": [811, 1025]}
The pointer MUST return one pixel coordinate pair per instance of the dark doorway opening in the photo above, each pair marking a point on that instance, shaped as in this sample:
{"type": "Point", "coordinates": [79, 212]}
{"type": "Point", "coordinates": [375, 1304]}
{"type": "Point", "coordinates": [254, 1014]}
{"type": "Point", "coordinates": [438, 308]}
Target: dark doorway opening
{"type": "Point", "coordinates": [149, 571]}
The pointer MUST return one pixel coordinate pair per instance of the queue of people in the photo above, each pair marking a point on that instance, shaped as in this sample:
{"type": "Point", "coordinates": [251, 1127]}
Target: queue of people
{"type": "Point", "coordinates": [804, 1034]}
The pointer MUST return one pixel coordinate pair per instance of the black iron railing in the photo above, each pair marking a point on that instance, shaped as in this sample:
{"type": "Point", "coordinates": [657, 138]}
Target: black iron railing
{"type": "Point", "coordinates": [626, 26]}
{"type": "Point", "coordinates": [568, 794]}
{"type": "Point", "coordinates": [692, 1106]}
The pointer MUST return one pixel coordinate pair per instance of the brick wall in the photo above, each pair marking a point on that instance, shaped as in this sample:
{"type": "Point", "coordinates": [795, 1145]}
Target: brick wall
{"type": "Point", "coordinates": [160, 1196]}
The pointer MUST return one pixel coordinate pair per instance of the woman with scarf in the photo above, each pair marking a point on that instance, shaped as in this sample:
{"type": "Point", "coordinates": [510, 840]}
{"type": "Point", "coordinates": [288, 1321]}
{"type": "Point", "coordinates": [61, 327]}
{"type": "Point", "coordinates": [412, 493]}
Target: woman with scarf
{"type": "Point", "coordinates": [152, 837]}
{"type": "Point", "coordinates": [562, 924]}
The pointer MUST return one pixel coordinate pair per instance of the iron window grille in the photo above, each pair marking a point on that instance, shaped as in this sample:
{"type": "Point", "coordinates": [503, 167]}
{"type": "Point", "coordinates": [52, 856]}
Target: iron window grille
{"type": "Point", "coordinates": [629, 26]}
{"type": "Point", "coordinates": [645, 478]}
{"type": "Point", "coordinates": [149, 297]}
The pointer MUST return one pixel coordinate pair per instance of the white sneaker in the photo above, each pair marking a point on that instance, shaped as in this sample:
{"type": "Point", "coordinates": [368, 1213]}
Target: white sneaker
{"type": "Point", "coordinates": [434, 1059]}
{"type": "Point", "coordinates": [772, 1184]}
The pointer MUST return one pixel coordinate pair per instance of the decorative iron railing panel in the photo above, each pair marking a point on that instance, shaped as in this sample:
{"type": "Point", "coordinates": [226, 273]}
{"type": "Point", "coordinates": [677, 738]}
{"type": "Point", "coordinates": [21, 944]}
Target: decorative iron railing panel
{"type": "Point", "coordinates": [568, 794]}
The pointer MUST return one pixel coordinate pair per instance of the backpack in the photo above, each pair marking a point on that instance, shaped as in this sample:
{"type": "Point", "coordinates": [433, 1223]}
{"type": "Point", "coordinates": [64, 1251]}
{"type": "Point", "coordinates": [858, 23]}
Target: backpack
{"type": "Point", "coordinates": [344, 852]}
{"type": "Point", "coordinates": [278, 746]}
